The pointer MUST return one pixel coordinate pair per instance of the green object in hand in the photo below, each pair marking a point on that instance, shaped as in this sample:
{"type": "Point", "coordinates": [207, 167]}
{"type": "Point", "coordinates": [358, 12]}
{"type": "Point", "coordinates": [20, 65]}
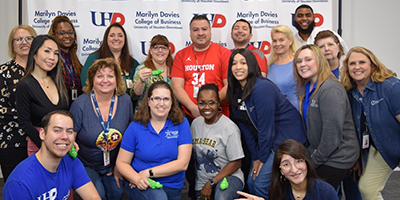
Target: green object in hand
{"type": "Point", "coordinates": [224, 184]}
{"type": "Point", "coordinates": [73, 152]}
{"type": "Point", "coordinates": [155, 184]}
{"type": "Point", "coordinates": [157, 72]}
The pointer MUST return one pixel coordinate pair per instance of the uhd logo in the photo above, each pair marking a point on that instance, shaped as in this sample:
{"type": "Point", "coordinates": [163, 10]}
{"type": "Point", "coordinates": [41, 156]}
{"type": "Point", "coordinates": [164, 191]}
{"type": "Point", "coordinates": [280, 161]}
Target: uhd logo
{"type": "Point", "coordinates": [264, 46]}
{"type": "Point", "coordinates": [107, 18]}
{"type": "Point", "coordinates": [217, 20]}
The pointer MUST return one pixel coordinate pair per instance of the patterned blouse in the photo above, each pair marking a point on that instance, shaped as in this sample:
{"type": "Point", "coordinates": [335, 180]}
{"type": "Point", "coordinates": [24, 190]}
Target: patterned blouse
{"type": "Point", "coordinates": [10, 133]}
{"type": "Point", "coordinates": [152, 79]}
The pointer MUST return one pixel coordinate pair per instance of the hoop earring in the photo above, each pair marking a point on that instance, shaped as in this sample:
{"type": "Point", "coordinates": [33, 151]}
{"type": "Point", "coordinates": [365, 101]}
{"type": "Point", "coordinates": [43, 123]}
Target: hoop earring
{"type": "Point", "coordinates": [282, 178]}
{"type": "Point", "coordinates": [220, 109]}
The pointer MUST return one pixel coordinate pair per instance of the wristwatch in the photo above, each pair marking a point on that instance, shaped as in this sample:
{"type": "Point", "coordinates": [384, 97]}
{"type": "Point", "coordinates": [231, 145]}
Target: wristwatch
{"type": "Point", "coordinates": [211, 182]}
{"type": "Point", "coordinates": [151, 173]}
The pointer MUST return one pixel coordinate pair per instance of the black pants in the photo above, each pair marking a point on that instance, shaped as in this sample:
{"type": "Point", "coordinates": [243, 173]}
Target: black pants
{"type": "Point", "coordinates": [333, 176]}
{"type": "Point", "coordinates": [10, 158]}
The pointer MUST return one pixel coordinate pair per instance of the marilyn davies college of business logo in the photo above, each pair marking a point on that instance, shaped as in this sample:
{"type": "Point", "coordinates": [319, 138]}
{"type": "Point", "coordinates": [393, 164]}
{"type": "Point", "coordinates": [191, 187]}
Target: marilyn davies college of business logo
{"type": "Point", "coordinates": [107, 18]}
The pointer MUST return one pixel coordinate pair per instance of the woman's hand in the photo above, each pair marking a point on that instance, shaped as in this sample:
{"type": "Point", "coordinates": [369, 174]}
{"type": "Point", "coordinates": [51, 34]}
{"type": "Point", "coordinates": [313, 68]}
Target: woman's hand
{"type": "Point", "coordinates": [248, 196]}
{"type": "Point", "coordinates": [117, 176]}
{"type": "Point", "coordinates": [144, 74]}
{"type": "Point", "coordinates": [205, 192]}
{"type": "Point", "coordinates": [141, 181]}
{"type": "Point", "coordinates": [257, 165]}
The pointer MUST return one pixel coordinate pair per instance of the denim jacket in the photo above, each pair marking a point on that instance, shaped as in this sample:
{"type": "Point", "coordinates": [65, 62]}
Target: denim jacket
{"type": "Point", "coordinates": [381, 102]}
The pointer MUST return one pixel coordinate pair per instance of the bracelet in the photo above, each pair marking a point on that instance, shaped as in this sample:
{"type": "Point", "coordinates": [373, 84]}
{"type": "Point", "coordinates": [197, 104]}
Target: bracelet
{"type": "Point", "coordinates": [151, 173]}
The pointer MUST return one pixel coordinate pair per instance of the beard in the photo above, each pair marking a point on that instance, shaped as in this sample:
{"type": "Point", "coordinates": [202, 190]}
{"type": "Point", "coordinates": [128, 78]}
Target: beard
{"type": "Point", "coordinates": [305, 31]}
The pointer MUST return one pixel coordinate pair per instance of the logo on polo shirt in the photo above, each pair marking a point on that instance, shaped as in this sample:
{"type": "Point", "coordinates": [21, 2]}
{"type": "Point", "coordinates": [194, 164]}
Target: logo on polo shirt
{"type": "Point", "coordinates": [171, 134]}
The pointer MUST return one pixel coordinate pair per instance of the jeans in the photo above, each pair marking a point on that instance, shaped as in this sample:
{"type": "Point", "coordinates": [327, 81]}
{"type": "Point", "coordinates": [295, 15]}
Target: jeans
{"type": "Point", "coordinates": [164, 193]}
{"type": "Point", "coordinates": [260, 185]}
{"type": "Point", "coordinates": [105, 185]}
{"type": "Point", "coordinates": [235, 184]}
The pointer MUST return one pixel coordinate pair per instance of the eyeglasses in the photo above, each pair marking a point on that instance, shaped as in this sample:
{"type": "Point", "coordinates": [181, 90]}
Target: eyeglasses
{"type": "Point", "coordinates": [159, 47]}
{"type": "Point", "coordinates": [203, 104]}
{"type": "Point", "coordinates": [62, 33]}
{"type": "Point", "coordinates": [159, 99]}
{"type": "Point", "coordinates": [28, 39]}
{"type": "Point", "coordinates": [286, 165]}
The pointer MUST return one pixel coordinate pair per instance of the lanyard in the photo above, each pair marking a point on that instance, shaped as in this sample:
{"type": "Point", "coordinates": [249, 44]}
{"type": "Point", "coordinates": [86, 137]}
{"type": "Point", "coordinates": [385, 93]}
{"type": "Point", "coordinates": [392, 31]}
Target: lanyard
{"type": "Point", "coordinates": [70, 70]}
{"type": "Point", "coordinates": [195, 57]}
{"type": "Point", "coordinates": [106, 127]}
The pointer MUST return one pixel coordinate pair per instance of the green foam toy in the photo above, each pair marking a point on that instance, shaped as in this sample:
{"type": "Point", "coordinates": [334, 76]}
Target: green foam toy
{"type": "Point", "coordinates": [73, 152]}
{"type": "Point", "coordinates": [224, 184]}
{"type": "Point", "coordinates": [155, 184]}
{"type": "Point", "coordinates": [157, 72]}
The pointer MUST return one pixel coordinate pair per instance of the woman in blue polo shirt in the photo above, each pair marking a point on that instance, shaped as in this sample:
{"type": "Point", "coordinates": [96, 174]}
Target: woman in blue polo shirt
{"type": "Point", "coordinates": [156, 145]}
{"type": "Point", "coordinates": [326, 111]}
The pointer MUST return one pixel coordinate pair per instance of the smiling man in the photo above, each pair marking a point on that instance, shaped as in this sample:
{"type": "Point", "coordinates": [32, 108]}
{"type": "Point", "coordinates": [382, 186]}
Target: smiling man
{"type": "Point", "coordinates": [306, 31]}
{"type": "Point", "coordinates": [49, 174]}
{"type": "Point", "coordinates": [241, 35]}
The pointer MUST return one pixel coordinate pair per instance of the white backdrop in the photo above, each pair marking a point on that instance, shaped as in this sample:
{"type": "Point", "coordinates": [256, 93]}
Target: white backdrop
{"type": "Point", "coordinates": [142, 19]}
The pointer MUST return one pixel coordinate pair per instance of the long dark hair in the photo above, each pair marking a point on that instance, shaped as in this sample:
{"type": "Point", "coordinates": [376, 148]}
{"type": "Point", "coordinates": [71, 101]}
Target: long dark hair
{"type": "Point", "coordinates": [55, 74]}
{"type": "Point", "coordinates": [143, 114]}
{"type": "Point", "coordinates": [279, 185]}
{"type": "Point", "coordinates": [76, 64]}
{"type": "Point", "coordinates": [234, 85]}
{"type": "Point", "coordinates": [125, 57]}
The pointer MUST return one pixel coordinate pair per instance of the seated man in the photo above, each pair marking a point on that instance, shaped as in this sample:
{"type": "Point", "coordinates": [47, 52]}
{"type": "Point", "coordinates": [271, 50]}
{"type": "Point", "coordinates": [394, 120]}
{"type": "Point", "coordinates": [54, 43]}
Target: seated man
{"type": "Point", "coordinates": [49, 174]}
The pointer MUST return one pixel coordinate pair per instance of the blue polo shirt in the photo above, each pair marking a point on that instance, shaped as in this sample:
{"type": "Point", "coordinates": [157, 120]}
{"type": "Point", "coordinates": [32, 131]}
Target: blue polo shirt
{"type": "Point", "coordinates": [307, 99]}
{"type": "Point", "coordinates": [151, 149]}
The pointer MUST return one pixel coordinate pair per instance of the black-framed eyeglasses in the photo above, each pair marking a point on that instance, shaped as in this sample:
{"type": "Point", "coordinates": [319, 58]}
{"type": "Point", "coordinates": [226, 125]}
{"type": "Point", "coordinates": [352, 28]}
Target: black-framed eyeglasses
{"type": "Point", "coordinates": [158, 47]}
{"type": "Point", "coordinates": [203, 104]}
{"type": "Point", "coordinates": [62, 33]}
{"type": "Point", "coordinates": [28, 39]}
{"type": "Point", "coordinates": [159, 99]}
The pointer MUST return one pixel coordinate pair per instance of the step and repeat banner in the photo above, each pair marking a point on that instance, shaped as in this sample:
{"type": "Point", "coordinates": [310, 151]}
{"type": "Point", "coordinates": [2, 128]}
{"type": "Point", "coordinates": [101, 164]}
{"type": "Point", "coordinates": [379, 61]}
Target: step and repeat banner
{"type": "Point", "coordinates": [142, 19]}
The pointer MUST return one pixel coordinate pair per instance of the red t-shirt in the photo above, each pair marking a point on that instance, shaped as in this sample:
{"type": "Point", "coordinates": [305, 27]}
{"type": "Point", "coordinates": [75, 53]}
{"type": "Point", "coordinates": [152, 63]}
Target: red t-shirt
{"type": "Point", "coordinates": [200, 68]}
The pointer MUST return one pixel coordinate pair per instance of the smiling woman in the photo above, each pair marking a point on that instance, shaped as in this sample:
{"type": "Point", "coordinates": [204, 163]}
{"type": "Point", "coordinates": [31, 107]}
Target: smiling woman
{"type": "Point", "coordinates": [114, 45]}
{"type": "Point", "coordinates": [166, 158]}
{"type": "Point", "coordinates": [42, 88]}
{"type": "Point", "coordinates": [101, 117]}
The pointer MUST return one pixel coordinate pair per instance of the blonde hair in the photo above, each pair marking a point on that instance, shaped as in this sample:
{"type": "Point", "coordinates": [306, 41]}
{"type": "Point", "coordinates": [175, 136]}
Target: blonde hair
{"type": "Point", "coordinates": [11, 52]}
{"type": "Point", "coordinates": [289, 35]}
{"type": "Point", "coordinates": [101, 64]}
{"type": "Point", "coordinates": [324, 71]}
{"type": "Point", "coordinates": [379, 71]}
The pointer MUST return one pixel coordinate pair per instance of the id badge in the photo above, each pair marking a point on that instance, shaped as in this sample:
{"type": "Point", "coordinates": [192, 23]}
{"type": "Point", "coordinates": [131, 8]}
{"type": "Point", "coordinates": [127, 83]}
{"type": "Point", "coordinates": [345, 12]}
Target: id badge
{"type": "Point", "coordinates": [365, 141]}
{"type": "Point", "coordinates": [74, 93]}
{"type": "Point", "coordinates": [106, 157]}
{"type": "Point", "coordinates": [129, 83]}
{"type": "Point", "coordinates": [195, 91]}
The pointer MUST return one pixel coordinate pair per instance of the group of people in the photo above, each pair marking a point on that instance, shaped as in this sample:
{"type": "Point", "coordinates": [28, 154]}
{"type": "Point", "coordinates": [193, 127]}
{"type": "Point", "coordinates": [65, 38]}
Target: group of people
{"type": "Point", "coordinates": [315, 119]}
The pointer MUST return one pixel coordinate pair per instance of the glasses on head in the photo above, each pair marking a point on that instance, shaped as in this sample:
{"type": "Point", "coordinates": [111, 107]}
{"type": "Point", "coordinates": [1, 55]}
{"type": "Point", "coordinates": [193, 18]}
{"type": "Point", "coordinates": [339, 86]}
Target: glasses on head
{"type": "Point", "coordinates": [203, 104]}
{"type": "Point", "coordinates": [62, 33]}
{"type": "Point", "coordinates": [28, 39]}
{"type": "Point", "coordinates": [286, 165]}
{"type": "Point", "coordinates": [159, 99]}
{"type": "Point", "coordinates": [159, 47]}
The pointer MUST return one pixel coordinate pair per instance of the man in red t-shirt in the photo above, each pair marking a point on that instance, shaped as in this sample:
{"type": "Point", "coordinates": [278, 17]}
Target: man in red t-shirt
{"type": "Point", "coordinates": [200, 63]}
{"type": "Point", "coordinates": [241, 35]}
